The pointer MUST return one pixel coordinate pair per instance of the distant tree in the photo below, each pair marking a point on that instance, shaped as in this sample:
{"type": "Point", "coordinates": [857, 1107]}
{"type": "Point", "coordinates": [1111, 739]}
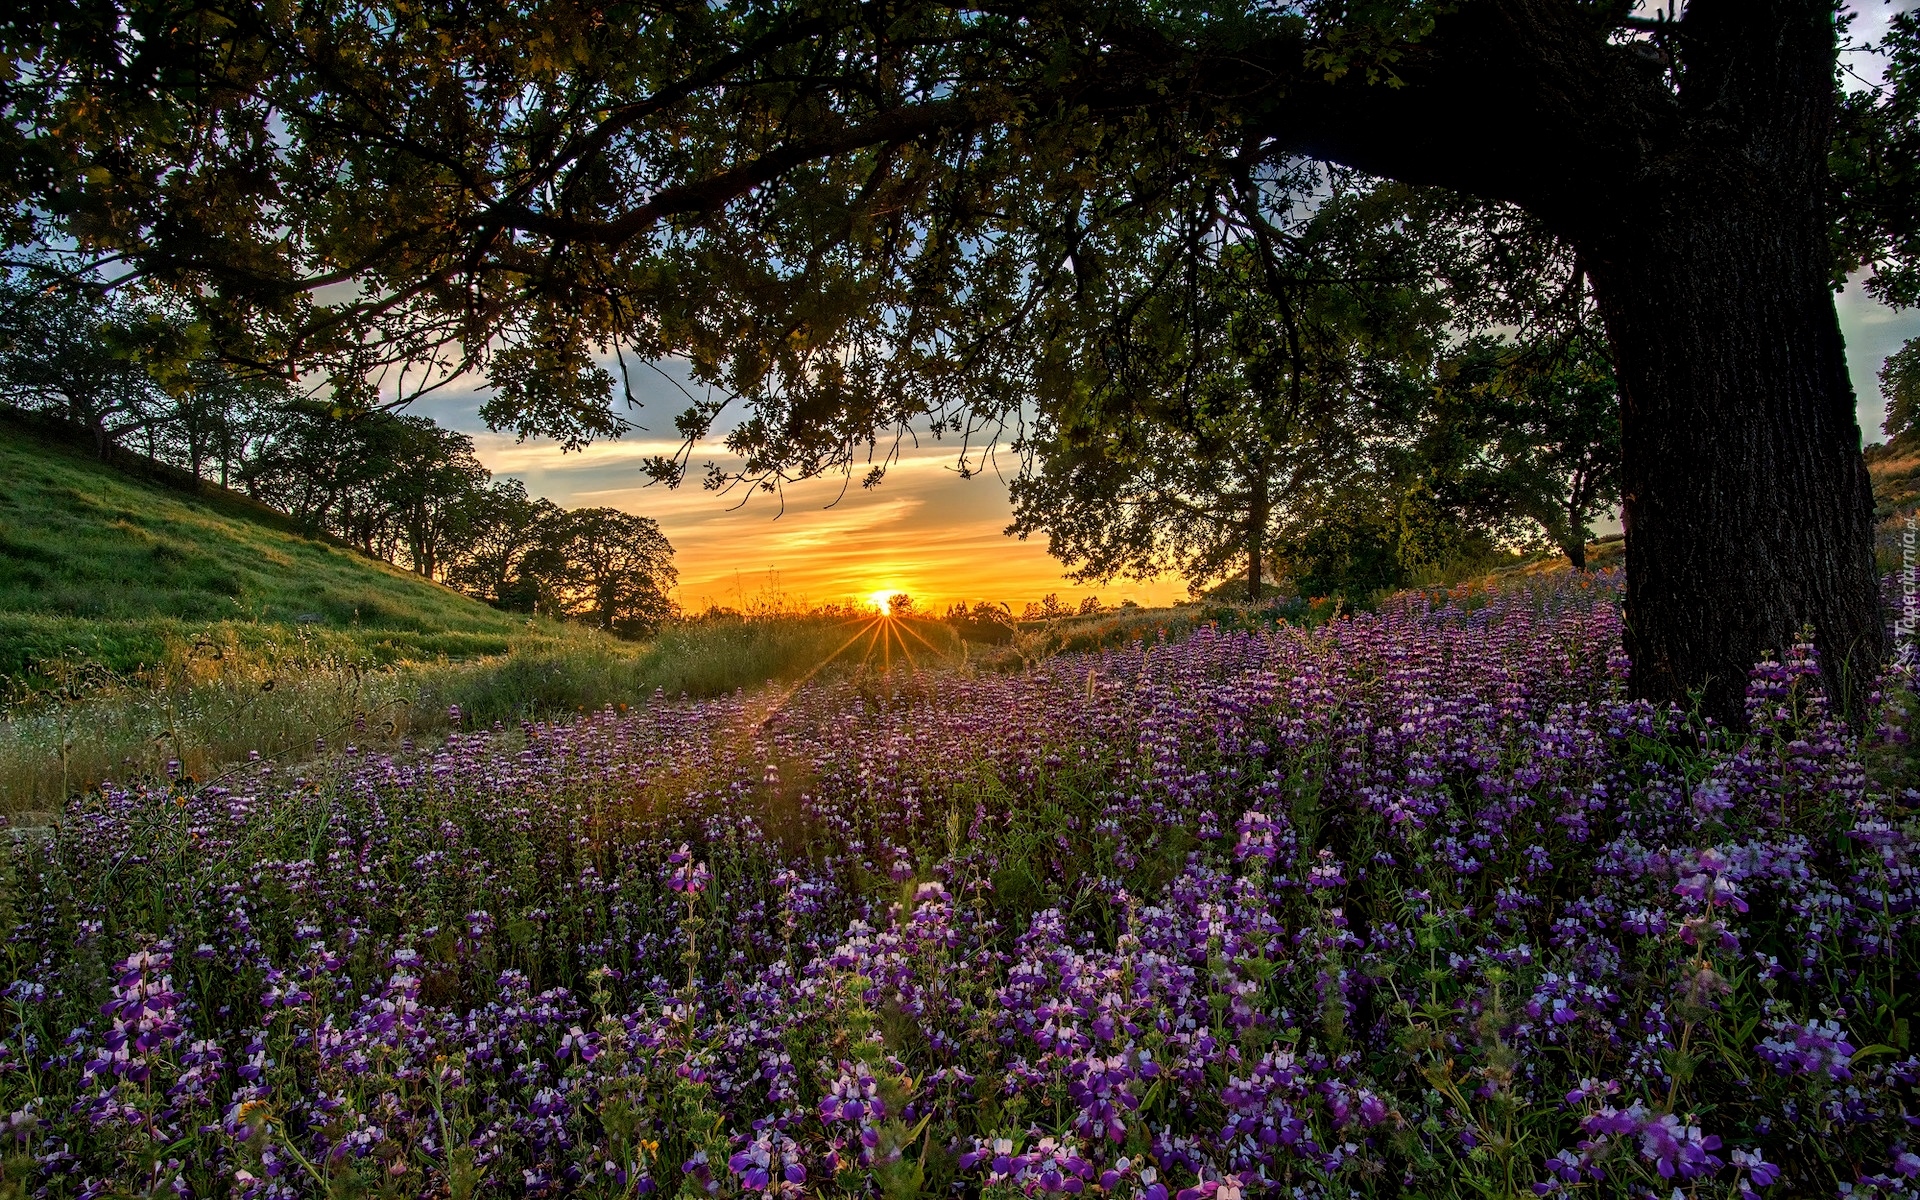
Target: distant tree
{"type": "Point", "coordinates": [491, 533]}
{"type": "Point", "coordinates": [389, 485]}
{"type": "Point", "coordinates": [1525, 435]}
{"type": "Point", "coordinates": [982, 621]}
{"type": "Point", "coordinates": [616, 569]}
{"type": "Point", "coordinates": [424, 476]}
{"type": "Point", "coordinates": [1090, 606]}
{"type": "Point", "coordinates": [213, 415]}
{"type": "Point", "coordinates": [1222, 376]}
{"type": "Point", "coordinates": [1047, 608]}
{"type": "Point", "coordinates": [1361, 545]}
{"type": "Point", "coordinates": [73, 354]}
{"type": "Point", "coordinates": [1900, 388]}
{"type": "Point", "coordinates": [900, 604]}
{"type": "Point", "coordinates": [307, 458]}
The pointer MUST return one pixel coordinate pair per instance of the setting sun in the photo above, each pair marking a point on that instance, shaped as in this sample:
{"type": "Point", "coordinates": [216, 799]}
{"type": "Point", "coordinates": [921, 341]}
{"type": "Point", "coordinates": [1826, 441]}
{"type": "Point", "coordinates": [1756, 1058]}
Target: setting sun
{"type": "Point", "coordinates": [879, 599]}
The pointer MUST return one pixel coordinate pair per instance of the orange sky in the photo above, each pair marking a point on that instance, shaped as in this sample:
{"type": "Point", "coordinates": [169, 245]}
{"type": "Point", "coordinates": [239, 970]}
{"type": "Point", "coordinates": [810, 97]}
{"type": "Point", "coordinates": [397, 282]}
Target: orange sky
{"type": "Point", "coordinates": [924, 531]}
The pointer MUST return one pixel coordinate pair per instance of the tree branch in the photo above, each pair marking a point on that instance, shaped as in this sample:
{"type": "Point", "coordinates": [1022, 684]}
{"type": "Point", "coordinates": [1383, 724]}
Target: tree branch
{"type": "Point", "coordinates": [716, 191]}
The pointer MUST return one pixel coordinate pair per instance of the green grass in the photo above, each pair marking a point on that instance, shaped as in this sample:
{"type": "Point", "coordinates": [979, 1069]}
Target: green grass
{"type": "Point", "coordinates": [146, 619]}
{"type": "Point", "coordinates": [148, 624]}
{"type": "Point", "coordinates": [96, 563]}
{"type": "Point", "coordinates": [85, 725]}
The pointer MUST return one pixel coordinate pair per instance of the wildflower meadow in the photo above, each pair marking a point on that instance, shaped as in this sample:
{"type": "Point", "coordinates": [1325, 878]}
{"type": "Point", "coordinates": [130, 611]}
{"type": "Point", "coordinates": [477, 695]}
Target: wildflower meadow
{"type": "Point", "coordinates": [1410, 903]}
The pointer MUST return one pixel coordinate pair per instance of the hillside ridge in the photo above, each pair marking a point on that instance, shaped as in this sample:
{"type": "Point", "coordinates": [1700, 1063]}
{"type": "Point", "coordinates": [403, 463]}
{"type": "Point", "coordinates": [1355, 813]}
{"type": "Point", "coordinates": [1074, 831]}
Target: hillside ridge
{"type": "Point", "coordinates": [114, 560]}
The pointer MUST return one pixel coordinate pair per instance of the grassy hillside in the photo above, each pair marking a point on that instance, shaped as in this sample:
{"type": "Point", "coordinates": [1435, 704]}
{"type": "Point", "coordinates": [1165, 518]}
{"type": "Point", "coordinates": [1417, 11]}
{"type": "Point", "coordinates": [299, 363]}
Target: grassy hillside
{"type": "Point", "coordinates": [1895, 469]}
{"type": "Point", "coordinates": [151, 625]}
{"type": "Point", "coordinates": [100, 564]}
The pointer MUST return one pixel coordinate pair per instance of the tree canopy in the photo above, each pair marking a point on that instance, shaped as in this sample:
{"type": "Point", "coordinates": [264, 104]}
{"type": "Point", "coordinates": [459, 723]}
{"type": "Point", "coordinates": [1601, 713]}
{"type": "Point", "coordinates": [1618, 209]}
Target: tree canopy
{"type": "Point", "coordinates": [1219, 382]}
{"type": "Point", "coordinates": [835, 211]}
{"type": "Point", "coordinates": [829, 209]}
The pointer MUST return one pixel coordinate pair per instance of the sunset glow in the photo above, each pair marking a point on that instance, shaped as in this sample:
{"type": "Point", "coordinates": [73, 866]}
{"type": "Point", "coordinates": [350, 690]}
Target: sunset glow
{"type": "Point", "coordinates": [925, 531]}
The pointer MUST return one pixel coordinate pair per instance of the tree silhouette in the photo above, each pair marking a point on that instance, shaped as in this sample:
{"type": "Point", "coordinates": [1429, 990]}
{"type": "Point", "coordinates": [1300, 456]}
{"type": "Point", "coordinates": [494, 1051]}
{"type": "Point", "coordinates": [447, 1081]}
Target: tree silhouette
{"type": "Point", "coordinates": [1234, 370]}
{"type": "Point", "coordinates": [617, 569]}
{"type": "Point", "coordinates": [831, 210]}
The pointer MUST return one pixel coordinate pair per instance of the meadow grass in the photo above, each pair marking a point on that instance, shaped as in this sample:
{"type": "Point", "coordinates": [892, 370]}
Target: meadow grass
{"type": "Point", "coordinates": [206, 698]}
{"type": "Point", "coordinates": [146, 619]}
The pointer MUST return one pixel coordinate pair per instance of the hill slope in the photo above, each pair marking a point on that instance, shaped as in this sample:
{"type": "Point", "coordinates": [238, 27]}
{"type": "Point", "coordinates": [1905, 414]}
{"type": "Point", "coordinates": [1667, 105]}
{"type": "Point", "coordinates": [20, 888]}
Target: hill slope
{"type": "Point", "coordinates": [115, 567]}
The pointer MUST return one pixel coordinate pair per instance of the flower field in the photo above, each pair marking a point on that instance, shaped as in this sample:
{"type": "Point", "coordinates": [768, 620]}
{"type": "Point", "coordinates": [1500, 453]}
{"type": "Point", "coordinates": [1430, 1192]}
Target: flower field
{"type": "Point", "coordinates": [1414, 903]}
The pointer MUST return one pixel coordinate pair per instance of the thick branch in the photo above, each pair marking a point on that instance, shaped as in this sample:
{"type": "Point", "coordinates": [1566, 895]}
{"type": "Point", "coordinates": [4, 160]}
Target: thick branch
{"type": "Point", "coordinates": [1519, 100]}
{"type": "Point", "coordinates": [716, 191]}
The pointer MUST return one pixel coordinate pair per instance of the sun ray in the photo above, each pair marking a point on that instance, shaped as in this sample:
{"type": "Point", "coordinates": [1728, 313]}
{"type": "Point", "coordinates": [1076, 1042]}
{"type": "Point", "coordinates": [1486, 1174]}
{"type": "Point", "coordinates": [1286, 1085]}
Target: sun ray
{"type": "Point", "coordinates": [906, 628]}
{"type": "Point", "coordinates": [879, 631]}
{"type": "Point", "coordinates": [779, 700]}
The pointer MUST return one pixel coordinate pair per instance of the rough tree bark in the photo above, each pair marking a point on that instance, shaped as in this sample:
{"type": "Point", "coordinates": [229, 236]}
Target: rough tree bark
{"type": "Point", "coordinates": [1576, 543]}
{"type": "Point", "coordinates": [1747, 507]}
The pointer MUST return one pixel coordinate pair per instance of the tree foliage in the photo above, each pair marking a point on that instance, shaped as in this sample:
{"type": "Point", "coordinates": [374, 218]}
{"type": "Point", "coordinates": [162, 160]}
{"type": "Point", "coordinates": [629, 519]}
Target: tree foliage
{"type": "Point", "coordinates": [832, 211]}
{"type": "Point", "coordinates": [1231, 372]}
{"type": "Point", "coordinates": [501, 532]}
{"type": "Point", "coordinates": [1876, 172]}
{"type": "Point", "coordinates": [387, 484]}
{"type": "Point", "coordinates": [1900, 388]}
{"type": "Point", "coordinates": [68, 354]}
{"type": "Point", "coordinates": [618, 569]}
{"type": "Point", "coordinates": [1524, 440]}
{"type": "Point", "coordinates": [837, 212]}
{"type": "Point", "coordinates": [1270, 362]}
{"type": "Point", "coordinates": [402, 488]}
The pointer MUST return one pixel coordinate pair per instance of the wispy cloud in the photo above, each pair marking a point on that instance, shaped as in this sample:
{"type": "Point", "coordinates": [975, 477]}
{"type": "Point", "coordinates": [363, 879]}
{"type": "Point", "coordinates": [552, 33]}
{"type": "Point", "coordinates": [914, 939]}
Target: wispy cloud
{"type": "Point", "coordinates": [924, 529]}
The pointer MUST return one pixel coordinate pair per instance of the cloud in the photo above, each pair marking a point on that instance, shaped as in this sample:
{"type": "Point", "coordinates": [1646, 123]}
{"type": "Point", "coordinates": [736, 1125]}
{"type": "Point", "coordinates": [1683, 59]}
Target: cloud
{"type": "Point", "coordinates": [924, 529]}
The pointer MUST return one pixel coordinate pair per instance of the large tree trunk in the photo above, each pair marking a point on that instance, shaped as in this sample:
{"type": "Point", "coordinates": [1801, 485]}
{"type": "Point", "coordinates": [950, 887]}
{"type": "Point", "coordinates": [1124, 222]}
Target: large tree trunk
{"type": "Point", "coordinates": [1747, 507]}
{"type": "Point", "coordinates": [1691, 174]}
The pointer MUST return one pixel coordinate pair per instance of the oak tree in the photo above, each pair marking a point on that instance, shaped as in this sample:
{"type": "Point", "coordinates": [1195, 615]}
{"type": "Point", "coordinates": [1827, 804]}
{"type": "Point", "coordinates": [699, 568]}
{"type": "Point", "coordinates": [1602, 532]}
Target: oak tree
{"type": "Point", "coordinates": [1221, 380]}
{"type": "Point", "coordinates": [830, 208]}
{"type": "Point", "coordinates": [1524, 440]}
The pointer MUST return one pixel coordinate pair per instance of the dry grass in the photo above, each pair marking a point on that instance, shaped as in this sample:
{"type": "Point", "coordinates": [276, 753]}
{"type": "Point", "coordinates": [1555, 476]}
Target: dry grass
{"type": "Point", "coordinates": [201, 708]}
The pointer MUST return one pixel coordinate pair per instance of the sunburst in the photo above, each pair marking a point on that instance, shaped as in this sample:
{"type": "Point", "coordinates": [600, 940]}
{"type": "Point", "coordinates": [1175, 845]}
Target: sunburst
{"type": "Point", "coordinates": [875, 638]}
